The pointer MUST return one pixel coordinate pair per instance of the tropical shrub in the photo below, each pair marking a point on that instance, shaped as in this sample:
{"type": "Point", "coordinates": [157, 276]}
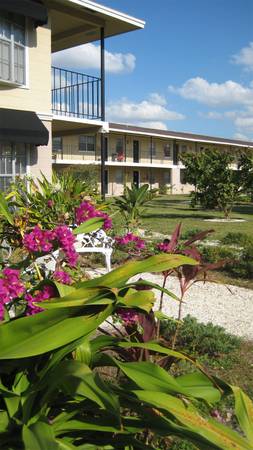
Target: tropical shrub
{"type": "Point", "coordinates": [200, 339]}
{"type": "Point", "coordinates": [55, 388]}
{"type": "Point", "coordinates": [216, 184]}
{"type": "Point", "coordinates": [237, 238]}
{"type": "Point", "coordinates": [130, 204]}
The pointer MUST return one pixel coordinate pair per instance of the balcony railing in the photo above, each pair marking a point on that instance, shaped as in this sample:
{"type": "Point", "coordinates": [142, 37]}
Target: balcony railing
{"type": "Point", "coordinates": [75, 94]}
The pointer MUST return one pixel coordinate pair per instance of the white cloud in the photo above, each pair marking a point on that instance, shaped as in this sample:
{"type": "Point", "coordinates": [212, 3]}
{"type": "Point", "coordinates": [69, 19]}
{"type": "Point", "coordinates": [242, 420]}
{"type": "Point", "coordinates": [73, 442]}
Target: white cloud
{"type": "Point", "coordinates": [157, 125]}
{"type": "Point", "coordinates": [146, 113]}
{"type": "Point", "coordinates": [244, 123]}
{"type": "Point", "coordinates": [158, 99]}
{"type": "Point", "coordinates": [241, 137]}
{"type": "Point", "coordinates": [88, 57]}
{"type": "Point", "coordinates": [244, 57]}
{"type": "Point", "coordinates": [215, 94]}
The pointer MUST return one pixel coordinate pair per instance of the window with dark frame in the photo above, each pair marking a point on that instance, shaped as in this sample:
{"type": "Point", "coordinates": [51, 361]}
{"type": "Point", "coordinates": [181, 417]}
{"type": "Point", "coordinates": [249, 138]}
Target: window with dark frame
{"type": "Point", "coordinates": [182, 176]}
{"type": "Point", "coordinates": [86, 143]}
{"type": "Point", "coordinates": [13, 162]}
{"type": "Point", "coordinates": [57, 144]}
{"type": "Point", "coordinates": [167, 151]}
{"type": "Point", "coordinates": [12, 48]}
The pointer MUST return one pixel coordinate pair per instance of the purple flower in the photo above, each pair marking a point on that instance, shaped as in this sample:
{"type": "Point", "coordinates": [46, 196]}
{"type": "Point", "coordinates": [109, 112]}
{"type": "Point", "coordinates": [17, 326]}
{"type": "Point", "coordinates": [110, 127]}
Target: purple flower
{"type": "Point", "coordinates": [86, 211]}
{"type": "Point", "coordinates": [39, 240]}
{"type": "Point", "coordinates": [66, 241]}
{"type": "Point", "coordinates": [46, 293]}
{"type": "Point", "coordinates": [128, 316]}
{"type": "Point", "coordinates": [11, 287]}
{"type": "Point", "coordinates": [62, 277]}
{"type": "Point", "coordinates": [50, 203]}
{"type": "Point", "coordinates": [130, 238]}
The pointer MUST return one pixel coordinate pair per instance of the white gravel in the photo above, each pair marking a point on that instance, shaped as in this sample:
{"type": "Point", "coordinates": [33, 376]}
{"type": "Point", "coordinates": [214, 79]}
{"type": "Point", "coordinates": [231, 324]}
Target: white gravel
{"type": "Point", "coordinates": [228, 306]}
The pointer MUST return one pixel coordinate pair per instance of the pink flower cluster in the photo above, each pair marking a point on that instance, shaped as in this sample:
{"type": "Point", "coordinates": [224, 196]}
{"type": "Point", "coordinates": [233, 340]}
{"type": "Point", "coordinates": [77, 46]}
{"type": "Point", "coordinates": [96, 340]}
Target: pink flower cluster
{"type": "Point", "coordinates": [128, 316]}
{"type": "Point", "coordinates": [129, 238]}
{"type": "Point", "coordinates": [10, 287]}
{"type": "Point", "coordinates": [66, 241]}
{"type": "Point", "coordinates": [86, 211]}
{"type": "Point", "coordinates": [62, 277]}
{"type": "Point", "coordinates": [46, 293]}
{"type": "Point", "coordinates": [40, 240]}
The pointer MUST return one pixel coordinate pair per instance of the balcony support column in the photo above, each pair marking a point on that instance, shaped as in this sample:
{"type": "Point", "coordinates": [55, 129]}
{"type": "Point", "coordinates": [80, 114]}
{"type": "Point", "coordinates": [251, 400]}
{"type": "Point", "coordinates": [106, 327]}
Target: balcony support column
{"type": "Point", "coordinates": [102, 94]}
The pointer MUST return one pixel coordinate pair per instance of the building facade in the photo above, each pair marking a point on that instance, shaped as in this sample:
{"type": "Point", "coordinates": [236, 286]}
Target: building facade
{"type": "Point", "coordinates": [137, 155]}
{"type": "Point", "coordinates": [38, 101]}
{"type": "Point", "coordinates": [53, 117]}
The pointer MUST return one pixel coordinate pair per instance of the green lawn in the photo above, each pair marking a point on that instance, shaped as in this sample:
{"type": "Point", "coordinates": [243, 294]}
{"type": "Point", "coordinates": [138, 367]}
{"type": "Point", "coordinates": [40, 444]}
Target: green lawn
{"type": "Point", "coordinates": [164, 212]}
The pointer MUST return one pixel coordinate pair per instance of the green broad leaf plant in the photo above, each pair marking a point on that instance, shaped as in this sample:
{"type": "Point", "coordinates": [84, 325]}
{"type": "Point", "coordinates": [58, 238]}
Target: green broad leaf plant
{"type": "Point", "coordinates": [87, 370]}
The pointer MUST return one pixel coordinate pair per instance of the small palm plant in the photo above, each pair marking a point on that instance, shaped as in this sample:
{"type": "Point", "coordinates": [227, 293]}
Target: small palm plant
{"type": "Point", "coordinates": [131, 203]}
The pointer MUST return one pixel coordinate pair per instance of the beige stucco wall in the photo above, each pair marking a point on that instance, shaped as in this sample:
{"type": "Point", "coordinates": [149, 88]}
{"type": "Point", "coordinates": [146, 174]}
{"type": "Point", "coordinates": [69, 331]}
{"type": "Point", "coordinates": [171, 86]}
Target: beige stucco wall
{"type": "Point", "coordinates": [41, 157]}
{"type": "Point", "coordinates": [36, 96]}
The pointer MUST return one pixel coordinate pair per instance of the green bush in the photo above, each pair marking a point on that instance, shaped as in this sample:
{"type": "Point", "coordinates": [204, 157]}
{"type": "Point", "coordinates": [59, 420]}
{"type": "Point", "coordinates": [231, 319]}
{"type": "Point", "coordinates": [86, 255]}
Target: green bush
{"type": "Point", "coordinates": [240, 239]}
{"type": "Point", "coordinates": [190, 233]}
{"type": "Point", "coordinates": [200, 339]}
{"type": "Point", "coordinates": [213, 254]}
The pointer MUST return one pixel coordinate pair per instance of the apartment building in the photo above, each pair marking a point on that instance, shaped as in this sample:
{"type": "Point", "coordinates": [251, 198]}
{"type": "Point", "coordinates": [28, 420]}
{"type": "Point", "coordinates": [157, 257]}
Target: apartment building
{"type": "Point", "coordinates": [38, 101]}
{"type": "Point", "coordinates": [137, 155]}
{"type": "Point", "coordinates": [53, 117]}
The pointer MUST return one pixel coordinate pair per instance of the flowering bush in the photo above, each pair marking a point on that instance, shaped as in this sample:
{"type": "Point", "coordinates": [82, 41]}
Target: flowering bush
{"type": "Point", "coordinates": [52, 394]}
{"type": "Point", "coordinates": [130, 243]}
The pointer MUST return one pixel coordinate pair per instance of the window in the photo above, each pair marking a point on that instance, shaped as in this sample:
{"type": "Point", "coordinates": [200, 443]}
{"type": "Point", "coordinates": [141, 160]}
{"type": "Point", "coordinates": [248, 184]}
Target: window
{"type": "Point", "coordinates": [152, 148]}
{"type": "Point", "coordinates": [167, 151]}
{"type": "Point", "coordinates": [12, 48]}
{"type": "Point", "coordinates": [86, 143]}
{"type": "Point", "coordinates": [182, 176]}
{"type": "Point", "coordinates": [167, 177]}
{"type": "Point", "coordinates": [119, 145]}
{"type": "Point", "coordinates": [119, 176]}
{"type": "Point", "coordinates": [57, 144]}
{"type": "Point", "coordinates": [184, 148]}
{"type": "Point", "coordinates": [12, 163]}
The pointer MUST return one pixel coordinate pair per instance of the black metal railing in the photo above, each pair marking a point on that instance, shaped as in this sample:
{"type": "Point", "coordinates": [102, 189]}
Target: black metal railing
{"type": "Point", "coordinates": [75, 94]}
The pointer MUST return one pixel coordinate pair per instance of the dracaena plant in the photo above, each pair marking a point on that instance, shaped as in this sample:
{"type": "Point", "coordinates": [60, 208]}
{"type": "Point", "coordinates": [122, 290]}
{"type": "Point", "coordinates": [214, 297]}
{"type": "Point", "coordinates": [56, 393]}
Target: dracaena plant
{"type": "Point", "coordinates": [56, 388]}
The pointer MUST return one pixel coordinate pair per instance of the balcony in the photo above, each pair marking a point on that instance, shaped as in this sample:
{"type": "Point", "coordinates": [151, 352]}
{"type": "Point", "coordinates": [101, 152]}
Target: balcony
{"type": "Point", "coordinates": [75, 94]}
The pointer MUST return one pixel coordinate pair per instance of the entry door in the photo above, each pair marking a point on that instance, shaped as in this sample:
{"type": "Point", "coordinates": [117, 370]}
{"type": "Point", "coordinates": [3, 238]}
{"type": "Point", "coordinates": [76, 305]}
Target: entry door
{"type": "Point", "coordinates": [136, 178]}
{"type": "Point", "coordinates": [136, 151]}
{"type": "Point", "coordinates": [106, 181]}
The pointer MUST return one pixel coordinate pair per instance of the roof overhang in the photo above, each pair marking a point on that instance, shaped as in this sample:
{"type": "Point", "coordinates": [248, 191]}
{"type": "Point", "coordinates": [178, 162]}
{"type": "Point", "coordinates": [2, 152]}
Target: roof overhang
{"type": "Point", "coordinates": [77, 22]}
{"type": "Point", "coordinates": [182, 136]}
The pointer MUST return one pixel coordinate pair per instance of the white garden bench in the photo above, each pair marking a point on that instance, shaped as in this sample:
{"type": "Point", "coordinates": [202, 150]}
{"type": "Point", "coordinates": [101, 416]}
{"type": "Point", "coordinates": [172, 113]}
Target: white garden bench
{"type": "Point", "coordinates": [94, 242]}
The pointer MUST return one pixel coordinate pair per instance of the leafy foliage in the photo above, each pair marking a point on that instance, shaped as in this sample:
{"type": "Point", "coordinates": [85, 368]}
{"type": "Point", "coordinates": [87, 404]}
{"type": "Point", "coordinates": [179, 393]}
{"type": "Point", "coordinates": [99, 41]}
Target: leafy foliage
{"type": "Point", "coordinates": [198, 338]}
{"type": "Point", "coordinates": [216, 184]}
{"type": "Point", "coordinates": [130, 205]}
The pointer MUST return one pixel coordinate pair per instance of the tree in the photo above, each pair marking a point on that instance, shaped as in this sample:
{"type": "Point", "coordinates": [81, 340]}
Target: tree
{"type": "Point", "coordinates": [245, 173]}
{"type": "Point", "coordinates": [216, 184]}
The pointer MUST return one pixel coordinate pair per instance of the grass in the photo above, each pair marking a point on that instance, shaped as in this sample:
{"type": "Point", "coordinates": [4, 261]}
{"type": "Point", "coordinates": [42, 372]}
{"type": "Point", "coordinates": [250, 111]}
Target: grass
{"type": "Point", "coordinates": [163, 213]}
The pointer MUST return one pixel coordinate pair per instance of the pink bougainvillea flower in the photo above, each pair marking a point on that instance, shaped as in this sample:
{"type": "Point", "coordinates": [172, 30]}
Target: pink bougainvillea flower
{"type": "Point", "coordinates": [66, 241]}
{"type": "Point", "coordinates": [128, 316]}
{"type": "Point", "coordinates": [87, 210]}
{"type": "Point", "coordinates": [46, 293]}
{"type": "Point", "coordinates": [62, 277]}
{"type": "Point", "coordinates": [39, 240]}
{"type": "Point", "coordinates": [130, 238]}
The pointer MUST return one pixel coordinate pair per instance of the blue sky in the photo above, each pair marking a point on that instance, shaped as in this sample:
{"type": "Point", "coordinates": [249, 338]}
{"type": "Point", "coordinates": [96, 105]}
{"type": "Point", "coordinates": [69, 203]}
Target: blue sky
{"type": "Point", "coordinates": [190, 69]}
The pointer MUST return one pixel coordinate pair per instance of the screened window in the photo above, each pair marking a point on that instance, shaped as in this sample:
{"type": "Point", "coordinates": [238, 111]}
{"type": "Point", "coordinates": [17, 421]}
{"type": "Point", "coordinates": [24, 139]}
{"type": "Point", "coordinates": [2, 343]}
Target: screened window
{"type": "Point", "coordinates": [167, 177]}
{"type": "Point", "coordinates": [119, 176]}
{"type": "Point", "coordinates": [167, 151]}
{"type": "Point", "coordinates": [182, 176]}
{"type": "Point", "coordinates": [12, 48]}
{"type": "Point", "coordinates": [152, 148]}
{"type": "Point", "coordinates": [119, 145]}
{"type": "Point", "coordinates": [57, 143]}
{"type": "Point", "coordinates": [13, 161]}
{"type": "Point", "coordinates": [86, 143]}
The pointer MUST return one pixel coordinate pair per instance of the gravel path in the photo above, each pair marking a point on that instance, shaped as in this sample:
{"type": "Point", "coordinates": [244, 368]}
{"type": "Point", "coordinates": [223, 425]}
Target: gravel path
{"type": "Point", "coordinates": [228, 306]}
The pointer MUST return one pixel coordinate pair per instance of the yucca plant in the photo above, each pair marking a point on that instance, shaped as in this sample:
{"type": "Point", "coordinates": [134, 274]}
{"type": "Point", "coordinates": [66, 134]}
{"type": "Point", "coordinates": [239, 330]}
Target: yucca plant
{"type": "Point", "coordinates": [131, 203]}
